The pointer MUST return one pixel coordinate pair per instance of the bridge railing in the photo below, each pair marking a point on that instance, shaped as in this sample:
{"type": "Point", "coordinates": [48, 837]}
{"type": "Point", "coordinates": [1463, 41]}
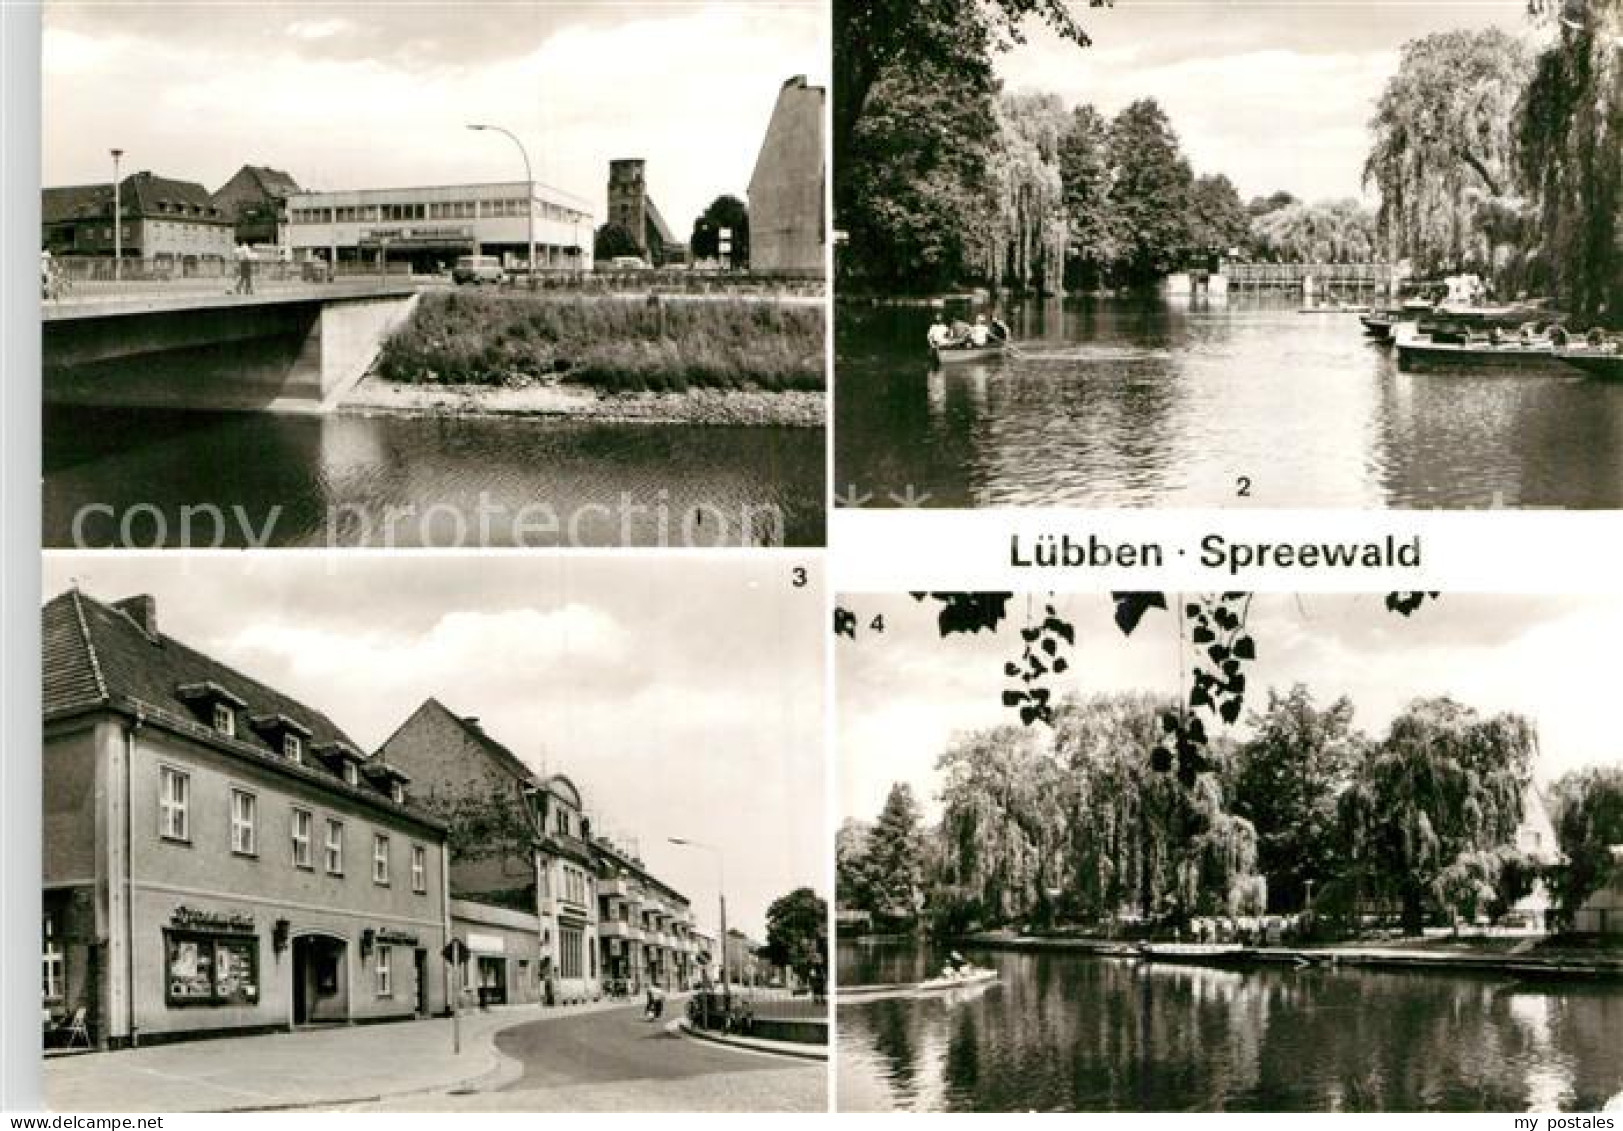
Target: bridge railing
{"type": "Point", "coordinates": [99, 269]}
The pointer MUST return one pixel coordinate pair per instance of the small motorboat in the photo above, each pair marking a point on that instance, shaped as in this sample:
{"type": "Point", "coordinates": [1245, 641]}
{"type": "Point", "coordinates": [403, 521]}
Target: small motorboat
{"type": "Point", "coordinates": [958, 980]}
{"type": "Point", "coordinates": [1470, 354]}
{"type": "Point", "coordinates": [957, 355]}
{"type": "Point", "coordinates": [1378, 324]}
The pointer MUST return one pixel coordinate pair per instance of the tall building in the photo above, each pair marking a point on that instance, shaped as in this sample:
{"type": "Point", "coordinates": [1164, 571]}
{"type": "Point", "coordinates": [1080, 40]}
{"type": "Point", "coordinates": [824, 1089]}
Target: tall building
{"type": "Point", "coordinates": [601, 916]}
{"type": "Point", "coordinates": [633, 209]}
{"type": "Point", "coordinates": [217, 855]}
{"type": "Point", "coordinates": [430, 227]}
{"type": "Point", "coordinates": [163, 220]}
{"type": "Point", "coordinates": [255, 200]}
{"type": "Point", "coordinates": [786, 208]}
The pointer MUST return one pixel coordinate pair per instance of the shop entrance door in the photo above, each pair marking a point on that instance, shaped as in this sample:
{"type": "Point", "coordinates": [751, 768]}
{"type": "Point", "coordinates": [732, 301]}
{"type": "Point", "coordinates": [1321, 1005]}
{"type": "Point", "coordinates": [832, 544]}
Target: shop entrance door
{"type": "Point", "coordinates": [320, 980]}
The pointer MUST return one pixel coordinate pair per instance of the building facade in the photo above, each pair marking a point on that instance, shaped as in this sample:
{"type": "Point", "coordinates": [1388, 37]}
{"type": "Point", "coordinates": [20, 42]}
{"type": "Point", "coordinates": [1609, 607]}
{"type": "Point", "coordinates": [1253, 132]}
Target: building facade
{"type": "Point", "coordinates": [429, 228]}
{"type": "Point", "coordinates": [255, 199]}
{"type": "Point", "coordinates": [162, 220]}
{"type": "Point", "coordinates": [1602, 912]}
{"type": "Point", "coordinates": [503, 964]}
{"type": "Point", "coordinates": [218, 856]}
{"type": "Point", "coordinates": [786, 206]}
{"type": "Point", "coordinates": [603, 921]}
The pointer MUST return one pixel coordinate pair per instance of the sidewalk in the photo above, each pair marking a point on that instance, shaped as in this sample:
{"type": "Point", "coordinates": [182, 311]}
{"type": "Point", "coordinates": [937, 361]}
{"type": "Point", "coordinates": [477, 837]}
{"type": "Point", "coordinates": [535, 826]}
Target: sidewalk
{"type": "Point", "coordinates": [321, 1067]}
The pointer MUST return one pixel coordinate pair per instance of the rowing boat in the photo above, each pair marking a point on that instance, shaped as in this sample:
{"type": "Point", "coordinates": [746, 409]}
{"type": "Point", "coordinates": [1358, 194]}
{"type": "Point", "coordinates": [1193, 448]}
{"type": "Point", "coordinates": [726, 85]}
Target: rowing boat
{"type": "Point", "coordinates": [957, 355]}
{"type": "Point", "coordinates": [1596, 362]}
{"type": "Point", "coordinates": [970, 976]}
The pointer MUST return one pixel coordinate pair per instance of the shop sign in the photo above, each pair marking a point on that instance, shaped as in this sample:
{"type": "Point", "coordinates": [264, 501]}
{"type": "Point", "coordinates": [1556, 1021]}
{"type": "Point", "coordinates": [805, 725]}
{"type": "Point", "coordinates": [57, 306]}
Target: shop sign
{"type": "Point", "coordinates": [393, 937]}
{"type": "Point", "coordinates": [196, 918]}
{"type": "Point", "coordinates": [487, 944]}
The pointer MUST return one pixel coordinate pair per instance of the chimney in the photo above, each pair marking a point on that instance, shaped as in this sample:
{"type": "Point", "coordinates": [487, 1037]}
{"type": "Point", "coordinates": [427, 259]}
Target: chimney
{"type": "Point", "coordinates": [472, 723]}
{"type": "Point", "coordinates": [143, 610]}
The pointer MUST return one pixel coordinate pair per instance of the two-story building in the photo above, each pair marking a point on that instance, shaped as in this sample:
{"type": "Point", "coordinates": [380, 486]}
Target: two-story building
{"type": "Point", "coordinates": [217, 855]}
{"type": "Point", "coordinates": [161, 219]}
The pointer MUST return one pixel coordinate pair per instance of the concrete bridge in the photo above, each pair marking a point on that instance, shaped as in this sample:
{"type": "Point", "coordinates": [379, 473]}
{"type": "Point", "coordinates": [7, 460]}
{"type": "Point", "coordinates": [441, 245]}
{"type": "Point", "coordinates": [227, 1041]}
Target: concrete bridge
{"type": "Point", "coordinates": [294, 348]}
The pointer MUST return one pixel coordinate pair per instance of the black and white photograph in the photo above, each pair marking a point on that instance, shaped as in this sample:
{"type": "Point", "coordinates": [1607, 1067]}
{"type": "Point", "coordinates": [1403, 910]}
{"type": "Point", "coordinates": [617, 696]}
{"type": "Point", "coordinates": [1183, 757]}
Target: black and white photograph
{"type": "Point", "coordinates": [492, 274]}
{"type": "Point", "coordinates": [1228, 852]}
{"type": "Point", "coordinates": [459, 834]}
{"type": "Point", "coordinates": [1229, 254]}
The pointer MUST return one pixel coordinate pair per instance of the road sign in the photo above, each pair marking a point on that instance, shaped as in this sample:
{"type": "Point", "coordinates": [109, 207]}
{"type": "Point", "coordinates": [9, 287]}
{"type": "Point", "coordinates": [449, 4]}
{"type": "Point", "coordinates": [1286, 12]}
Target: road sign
{"type": "Point", "coordinates": [456, 951]}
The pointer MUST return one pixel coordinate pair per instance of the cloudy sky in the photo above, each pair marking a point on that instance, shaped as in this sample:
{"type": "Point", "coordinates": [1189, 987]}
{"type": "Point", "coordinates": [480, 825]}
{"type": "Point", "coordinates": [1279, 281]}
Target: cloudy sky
{"type": "Point", "coordinates": [1553, 659]}
{"type": "Point", "coordinates": [1276, 94]}
{"type": "Point", "coordinates": [684, 697]}
{"type": "Point", "coordinates": [357, 95]}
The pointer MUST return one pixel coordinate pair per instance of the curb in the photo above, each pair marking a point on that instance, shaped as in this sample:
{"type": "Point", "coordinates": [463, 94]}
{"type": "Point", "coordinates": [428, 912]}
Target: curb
{"type": "Point", "coordinates": [815, 1053]}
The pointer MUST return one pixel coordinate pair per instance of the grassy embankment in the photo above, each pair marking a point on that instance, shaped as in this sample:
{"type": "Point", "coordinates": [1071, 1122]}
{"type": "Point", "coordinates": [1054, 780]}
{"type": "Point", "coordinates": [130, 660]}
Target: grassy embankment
{"type": "Point", "coordinates": [608, 343]}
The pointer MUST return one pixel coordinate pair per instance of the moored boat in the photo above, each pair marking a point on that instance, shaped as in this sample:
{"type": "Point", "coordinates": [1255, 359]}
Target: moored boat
{"type": "Point", "coordinates": [1191, 952]}
{"type": "Point", "coordinates": [1596, 361]}
{"type": "Point", "coordinates": [1419, 352]}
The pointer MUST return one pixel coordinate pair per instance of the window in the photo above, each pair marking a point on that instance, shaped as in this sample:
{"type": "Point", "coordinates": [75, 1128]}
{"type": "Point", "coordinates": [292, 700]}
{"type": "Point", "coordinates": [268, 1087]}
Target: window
{"type": "Point", "coordinates": [419, 868]}
{"type": "Point", "coordinates": [397, 793]}
{"type": "Point", "coordinates": [301, 838]}
{"type": "Point", "coordinates": [52, 987]}
{"type": "Point", "coordinates": [335, 848]}
{"type": "Point", "coordinates": [570, 951]}
{"type": "Point", "coordinates": [225, 720]}
{"type": "Point", "coordinates": [385, 970]}
{"type": "Point", "coordinates": [174, 800]}
{"type": "Point", "coordinates": [380, 859]}
{"type": "Point", "coordinates": [244, 810]}
{"type": "Point", "coordinates": [293, 748]}
{"type": "Point", "coordinates": [352, 776]}
{"type": "Point", "coordinates": [562, 822]}
{"type": "Point", "coordinates": [205, 969]}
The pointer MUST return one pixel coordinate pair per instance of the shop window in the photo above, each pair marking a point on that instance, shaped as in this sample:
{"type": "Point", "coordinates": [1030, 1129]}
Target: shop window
{"type": "Point", "coordinates": [174, 804]}
{"type": "Point", "coordinates": [335, 848]}
{"type": "Point", "coordinates": [380, 859]}
{"type": "Point", "coordinates": [385, 955]}
{"type": "Point", "coordinates": [419, 868]}
{"type": "Point", "coordinates": [52, 984]}
{"type": "Point", "coordinates": [208, 969]}
{"type": "Point", "coordinates": [244, 812]}
{"type": "Point", "coordinates": [302, 821]}
{"type": "Point", "coordinates": [225, 720]}
{"type": "Point", "coordinates": [293, 748]}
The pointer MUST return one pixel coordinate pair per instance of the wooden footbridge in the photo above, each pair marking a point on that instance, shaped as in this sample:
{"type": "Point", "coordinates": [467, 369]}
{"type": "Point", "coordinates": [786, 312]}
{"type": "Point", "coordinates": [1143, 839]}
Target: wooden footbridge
{"type": "Point", "coordinates": [1367, 280]}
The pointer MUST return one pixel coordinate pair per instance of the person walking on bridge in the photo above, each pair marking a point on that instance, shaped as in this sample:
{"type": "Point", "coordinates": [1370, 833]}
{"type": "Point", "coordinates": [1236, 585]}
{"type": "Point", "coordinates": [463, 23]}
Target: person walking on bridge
{"type": "Point", "coordinates": [245, 270]}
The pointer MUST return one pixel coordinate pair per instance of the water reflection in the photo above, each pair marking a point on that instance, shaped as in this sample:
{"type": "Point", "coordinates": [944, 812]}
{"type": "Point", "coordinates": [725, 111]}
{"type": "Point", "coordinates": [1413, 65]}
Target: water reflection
{"type": "Point", "coordinates": [1113, 403]}
{"type": "Point", "coordinates": [1062, 1032]}
{"type": "Point", "coordinates": [130, 475]}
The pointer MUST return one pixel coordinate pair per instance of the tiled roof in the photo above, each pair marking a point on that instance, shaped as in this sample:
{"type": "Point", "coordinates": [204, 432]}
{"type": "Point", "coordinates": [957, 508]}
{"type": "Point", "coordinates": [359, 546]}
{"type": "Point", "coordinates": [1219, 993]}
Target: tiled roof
{"type": "Point", "coordinates": [96, 655]}
{"type": "Point", "coordinates": [140, 194]}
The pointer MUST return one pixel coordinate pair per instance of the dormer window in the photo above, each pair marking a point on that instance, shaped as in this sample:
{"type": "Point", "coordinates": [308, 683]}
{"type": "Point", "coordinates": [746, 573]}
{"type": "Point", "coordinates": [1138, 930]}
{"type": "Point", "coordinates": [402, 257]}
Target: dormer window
{"type": "Point", "coordinates": [225, 720]}
{"type": "Point", "coordinates": [397, 793]}
{"type": "Point", "coordinates": [352, 775]}
{"type": "Point", "coordinates": [293, 748]}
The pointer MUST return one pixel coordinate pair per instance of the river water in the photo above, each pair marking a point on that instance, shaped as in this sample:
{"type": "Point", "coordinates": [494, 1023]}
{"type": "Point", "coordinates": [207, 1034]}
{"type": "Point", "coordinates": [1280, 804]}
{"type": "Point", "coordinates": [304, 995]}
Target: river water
{"type": "Point", "coordinates": [1129, 404]}
{"type": "Point", "coordinates": [146, 477]}
{"type": "Point", "coordinates": [1064, 1032]}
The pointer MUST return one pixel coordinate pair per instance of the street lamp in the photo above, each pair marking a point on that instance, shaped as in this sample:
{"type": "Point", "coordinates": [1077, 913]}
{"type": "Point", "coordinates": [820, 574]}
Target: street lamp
{"type": "Point", "coordinates": [529, 189]}
{"type": "Point", "coordinates": [118, 220]}
{"type": "Point", "coordinates": [721, 895]}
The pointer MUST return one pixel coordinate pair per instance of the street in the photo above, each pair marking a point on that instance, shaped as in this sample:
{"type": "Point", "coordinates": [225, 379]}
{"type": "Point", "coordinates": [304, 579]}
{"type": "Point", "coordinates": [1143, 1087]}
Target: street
{"type": "Point", "coordinates": [613, 1060]}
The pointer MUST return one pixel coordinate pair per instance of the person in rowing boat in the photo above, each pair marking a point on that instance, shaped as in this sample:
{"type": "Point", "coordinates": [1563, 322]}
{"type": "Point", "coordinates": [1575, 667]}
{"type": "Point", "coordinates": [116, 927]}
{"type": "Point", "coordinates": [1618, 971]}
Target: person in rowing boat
{"type": "Point", "coordinates": [980, 334]}
{"type": "Point", "coordinates": [1000, 331]}
{"type": "Point", "coordinates": [940, 334]}
{"type": "Point", "coordinates": [956, 967]}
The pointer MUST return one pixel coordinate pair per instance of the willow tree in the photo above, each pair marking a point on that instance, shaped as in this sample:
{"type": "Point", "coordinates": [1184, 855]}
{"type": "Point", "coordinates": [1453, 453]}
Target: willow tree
{"type": "Point", "coordinates": [1024, 247]}
{"type": "Point", "coordinates": [1444, 150]}
{"type": "Point", "coordinates": [1431, 817]}
{"type": "Point", "coordinates": [1002, 830]}
{"type": "Point", "coordinates": [1571, 155]}
{"type": "Point", "coordinates": [1337, 231]}
{"type": "Point", "coordinates": [1142, 843]}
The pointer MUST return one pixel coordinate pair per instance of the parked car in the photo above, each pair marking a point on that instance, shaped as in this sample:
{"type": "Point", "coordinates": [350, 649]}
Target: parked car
{"type": "Point", "coordinates": [478, 270]}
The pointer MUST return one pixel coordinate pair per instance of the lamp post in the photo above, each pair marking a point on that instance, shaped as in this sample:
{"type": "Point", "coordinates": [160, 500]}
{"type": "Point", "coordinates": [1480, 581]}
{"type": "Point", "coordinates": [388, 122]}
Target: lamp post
{"type": "Point", "coordinates": [721, 896]}
{"type": "Point", "coordinates": [118, 220]}
{"type": "Point", "coordinates": [529, 190]}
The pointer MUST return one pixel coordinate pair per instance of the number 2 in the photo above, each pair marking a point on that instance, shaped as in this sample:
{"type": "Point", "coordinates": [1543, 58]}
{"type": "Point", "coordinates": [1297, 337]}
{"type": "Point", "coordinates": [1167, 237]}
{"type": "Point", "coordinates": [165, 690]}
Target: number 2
{"type": "Point", "coordinates": [1242, 486]}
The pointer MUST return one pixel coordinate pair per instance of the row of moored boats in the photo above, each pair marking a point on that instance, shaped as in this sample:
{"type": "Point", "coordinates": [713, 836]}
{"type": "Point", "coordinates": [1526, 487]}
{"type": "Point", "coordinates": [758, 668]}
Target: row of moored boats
{"type": "Point", "coordinates": [1525, 337]}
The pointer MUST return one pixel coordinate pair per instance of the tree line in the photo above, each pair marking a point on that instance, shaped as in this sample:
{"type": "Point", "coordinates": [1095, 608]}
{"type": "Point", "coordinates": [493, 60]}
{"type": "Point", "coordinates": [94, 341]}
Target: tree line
{"type": "Point", "coordinates": [1074, 827]}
